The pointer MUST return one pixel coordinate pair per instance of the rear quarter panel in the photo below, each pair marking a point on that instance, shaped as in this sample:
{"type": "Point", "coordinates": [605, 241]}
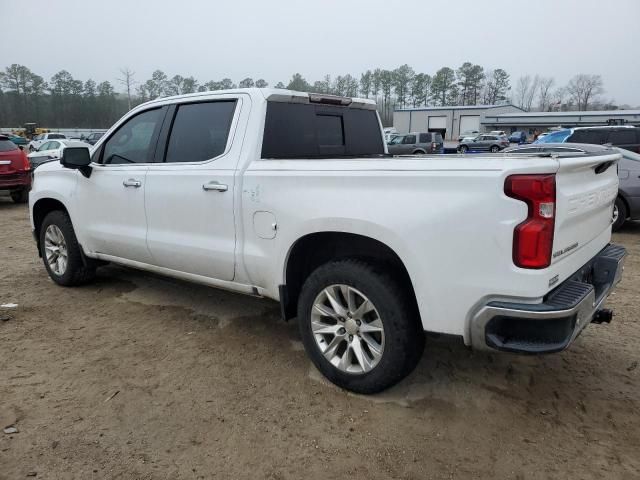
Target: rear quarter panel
{"type": "Point", "coordinates": [446, 218]}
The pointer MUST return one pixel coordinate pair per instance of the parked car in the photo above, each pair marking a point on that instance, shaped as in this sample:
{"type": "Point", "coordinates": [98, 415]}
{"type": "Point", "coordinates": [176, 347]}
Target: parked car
{"type": "Point", "coordinates": [389, 134]}
{"type": "Point", "coordinates": [627, 204]}
{"type": "Point", "coordinates": [518, 137]}
{"type": "Point", "coordinates": [93, 137]}
{"type": "Point", "coordinates": [15, 170]}
{"type": "Point", "coordinates": [52, 150]}
{"type": "Point", "coordinates": [17, 139]}
{"type": "Point", "coordinates": [416, 143]}
{"type": "Point", "coordinates": [468, 134]}
{"type": "Point", "coordinates": [42, 138]}
{"type": "Point", "coordinates": [627, 137]}
{"type": "Point", "coordinates": [483, 143]}
{"type": "Point", "coordinates": [367, 253]}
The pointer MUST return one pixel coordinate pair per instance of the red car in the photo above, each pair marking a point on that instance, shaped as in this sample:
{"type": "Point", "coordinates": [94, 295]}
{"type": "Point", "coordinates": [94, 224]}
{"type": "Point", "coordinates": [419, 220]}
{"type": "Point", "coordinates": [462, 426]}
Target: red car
{"type": "Point", "coordinates": [15, 170]}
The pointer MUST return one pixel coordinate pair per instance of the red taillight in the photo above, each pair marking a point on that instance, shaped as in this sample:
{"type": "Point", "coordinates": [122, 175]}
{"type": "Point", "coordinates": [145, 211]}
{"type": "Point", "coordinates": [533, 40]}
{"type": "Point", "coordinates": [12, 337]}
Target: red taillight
{"type": "Point", "coordinates": [434, 146]}
{"type": "Point", "coordinates": [26, 164]}
{"type": "Point", "coordinates": [533, 238]}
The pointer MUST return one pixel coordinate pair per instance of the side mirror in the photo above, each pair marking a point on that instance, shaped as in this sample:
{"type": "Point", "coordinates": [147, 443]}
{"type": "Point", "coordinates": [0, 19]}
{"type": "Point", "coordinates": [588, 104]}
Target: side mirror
{"type": "Point", "coordinates": [77, 158]}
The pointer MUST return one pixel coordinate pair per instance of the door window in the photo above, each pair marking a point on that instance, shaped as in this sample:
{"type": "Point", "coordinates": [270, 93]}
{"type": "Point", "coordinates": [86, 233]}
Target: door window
{"type": "Point", "coordinates": [200, 131]}
{"type": "Point", "coordinates": [425, 137]}
{"type": "Point", "coordinates": [134, 141]}
{"type": "Point", "coordinates": [409, 139]}
{"type": "Point", "coordinates": [596, 137]}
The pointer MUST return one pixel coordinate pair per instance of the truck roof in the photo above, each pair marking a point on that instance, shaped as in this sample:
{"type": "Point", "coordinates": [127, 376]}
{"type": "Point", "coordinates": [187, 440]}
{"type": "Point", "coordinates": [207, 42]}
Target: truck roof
{"type": "Point", "coordinates": [277, 95]}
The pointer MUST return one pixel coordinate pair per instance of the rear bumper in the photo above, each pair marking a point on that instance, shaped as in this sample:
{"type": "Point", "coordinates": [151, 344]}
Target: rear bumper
{"type": "Point", "coordinates": [15, 181]}
{"type": "Point", "coordinates": [550, 326]}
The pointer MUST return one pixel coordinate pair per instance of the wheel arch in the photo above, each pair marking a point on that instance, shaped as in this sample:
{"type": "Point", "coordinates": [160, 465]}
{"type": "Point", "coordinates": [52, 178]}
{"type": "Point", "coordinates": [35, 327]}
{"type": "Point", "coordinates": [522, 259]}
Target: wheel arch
{"type": "Point", "coordinates": [41, 208]}
{"type": "Point", "coordinates": [314, 249]}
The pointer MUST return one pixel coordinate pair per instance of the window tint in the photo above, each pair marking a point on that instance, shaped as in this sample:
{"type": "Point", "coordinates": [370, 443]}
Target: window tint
{"type": "Point", "coordinates": [7, 146]}
{"type": "Point", "coordinates": [409, 139]}
{"type": "Point", "coordinates": [200, 131]}
{"type": "Point", "coordinates": [425, 137]}
{"type": "Point", "coordinates": [294, 130]}
{"type": "Point", "coordinates": [56, 135]}
{"type": "Point", "coordinates": [622, 137]}
{"type": "Point", "coordinates": [438, 138]}
{"type": "Point", "coordinates": [596, 137]}
{"type": "Point", "coordinates": [330, 130]}
{"type": "Point", "coordinates": [132, 142]}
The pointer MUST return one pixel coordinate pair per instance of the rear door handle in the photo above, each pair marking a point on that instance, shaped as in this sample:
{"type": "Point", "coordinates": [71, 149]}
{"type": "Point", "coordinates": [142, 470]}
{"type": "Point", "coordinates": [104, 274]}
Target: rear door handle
{"type": "Point", "coordinates": [218, 187]}
{"type": "Point", "coordinates": [132, 182]}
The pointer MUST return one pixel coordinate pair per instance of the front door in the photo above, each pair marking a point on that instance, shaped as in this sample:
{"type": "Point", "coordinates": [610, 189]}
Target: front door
{"type": "Point", "coordinates": [189, 191]}
{"type": "Point", "coordinates": [110, 202]}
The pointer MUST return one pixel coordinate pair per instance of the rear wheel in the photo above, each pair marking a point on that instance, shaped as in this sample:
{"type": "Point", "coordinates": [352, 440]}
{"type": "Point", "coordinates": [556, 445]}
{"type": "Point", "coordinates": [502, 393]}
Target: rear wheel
{"type": "Point", "coordinates": [463, 149]}
{"type": "Point", "coordinates": [358, 326]}
{"type": "Point", "coordinates": [495, 149]}
{"type": "Point", "coordinates": [61, 252]}
{"type": "Point", "coordinates": [620, 214]}
{"type": "Point", "coordinates": [20, 196]}
{"type": "Point", "coordinates": [419, 152]}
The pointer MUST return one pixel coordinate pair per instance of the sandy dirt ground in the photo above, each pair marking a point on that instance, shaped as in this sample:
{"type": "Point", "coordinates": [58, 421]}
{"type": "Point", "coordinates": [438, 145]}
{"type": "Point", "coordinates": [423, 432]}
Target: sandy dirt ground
{"type": "Point", "coordinates": [141, 377]}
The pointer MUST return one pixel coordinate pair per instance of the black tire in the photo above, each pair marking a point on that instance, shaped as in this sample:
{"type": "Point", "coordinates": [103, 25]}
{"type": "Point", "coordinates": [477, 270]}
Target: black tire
{"type": "Point", "coordinates": [622, 214]}
{"type": "Point", "coordinates": [20, 196]}
{"type": "Point", "coordinates": [76, 271]}
{"type": "Point", "coordinates": [31, 149]}
{"type": "Point", "coordinates": [419, 152]}
{"type": "Point", "coordinates": [495, 149]}
{"type": "Point", "coordinates": [404, 337]}
{"type": "Point", "coordinates": [463, 149]}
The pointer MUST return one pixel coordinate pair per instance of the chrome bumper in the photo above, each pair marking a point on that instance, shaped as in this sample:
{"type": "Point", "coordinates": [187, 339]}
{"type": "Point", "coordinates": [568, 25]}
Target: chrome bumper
{"type": "Point", "coordinates": [552, 325]}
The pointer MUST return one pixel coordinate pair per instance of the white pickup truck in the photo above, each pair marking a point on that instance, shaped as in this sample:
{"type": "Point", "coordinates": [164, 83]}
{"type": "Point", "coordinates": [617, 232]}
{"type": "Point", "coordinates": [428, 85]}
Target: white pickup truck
{"type": "Point", "coordinates": [292, 196]}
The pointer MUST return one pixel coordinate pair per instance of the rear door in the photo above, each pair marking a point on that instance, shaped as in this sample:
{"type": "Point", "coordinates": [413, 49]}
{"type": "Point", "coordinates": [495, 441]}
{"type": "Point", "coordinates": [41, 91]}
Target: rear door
{"type": "Point", "coordinates": [190, 189]}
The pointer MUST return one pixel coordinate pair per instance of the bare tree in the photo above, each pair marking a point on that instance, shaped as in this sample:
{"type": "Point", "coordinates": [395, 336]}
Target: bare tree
{"type": "Point", "coordinates": [531, 93]}
{"type": "Point", "coordinates": [521, 90]}
{"type": "Point", "coordinates": [584, 88]}
{"type": "Point", "coordinates": [545, 93]}
{"type": "Point", "coordinates": [128, 81]}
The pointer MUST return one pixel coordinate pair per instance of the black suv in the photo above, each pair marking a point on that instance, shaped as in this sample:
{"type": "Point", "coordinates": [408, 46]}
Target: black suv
{"type": "Point", "coordinates": [618, 136]}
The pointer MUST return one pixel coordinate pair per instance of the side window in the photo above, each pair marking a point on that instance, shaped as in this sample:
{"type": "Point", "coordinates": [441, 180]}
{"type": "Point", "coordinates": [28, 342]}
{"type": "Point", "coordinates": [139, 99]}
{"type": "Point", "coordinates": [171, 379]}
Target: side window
{"type": "Point", "coordinates": [409, 139]}
{"type": "Point", "coordinates": [46, 146]}
{"type": "Point", "coordinates": [133, 141]}
{"type": "Point", "coordinates": [425, 137]}
{"type": "Point", "coordinates": [596, 137]}
{"type": "Point", "coordinates": [622, 137]}
{"type": "Point", "coordinates": [53, 145]}
{"type": "Point", "coordinates": [200, 131]}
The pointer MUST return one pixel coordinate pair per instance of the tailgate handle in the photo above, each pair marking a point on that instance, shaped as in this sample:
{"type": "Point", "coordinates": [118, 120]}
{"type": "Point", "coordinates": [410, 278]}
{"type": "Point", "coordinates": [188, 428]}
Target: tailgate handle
{"type": "Point", "coordinates": [603, 167]}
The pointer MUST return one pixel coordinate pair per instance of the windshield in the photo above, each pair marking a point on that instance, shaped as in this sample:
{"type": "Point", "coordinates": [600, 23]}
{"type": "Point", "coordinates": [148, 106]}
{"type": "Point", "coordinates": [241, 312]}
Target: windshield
{"type": "Point", "coordinates": [396, 140]}
{"type": "Point", "coordinates": [555, 137]}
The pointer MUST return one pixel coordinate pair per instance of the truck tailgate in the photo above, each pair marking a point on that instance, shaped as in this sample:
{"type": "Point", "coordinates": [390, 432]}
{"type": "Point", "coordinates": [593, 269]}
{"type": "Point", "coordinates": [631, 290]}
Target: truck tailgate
{"type": "Point", "coordinates": [586, 188]}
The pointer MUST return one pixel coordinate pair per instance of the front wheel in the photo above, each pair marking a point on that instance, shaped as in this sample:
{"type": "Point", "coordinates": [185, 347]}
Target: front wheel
{"type": "Point", "coordinates": [463, 149]}
{"type": "Point", "coordinates": [495, 149]}
{"type": "Point", "coordinates": [620, 214]}
{"type": "Point", "coordinates": [358, 326]}
{"type": "Point", "coordinates": [61, 252]}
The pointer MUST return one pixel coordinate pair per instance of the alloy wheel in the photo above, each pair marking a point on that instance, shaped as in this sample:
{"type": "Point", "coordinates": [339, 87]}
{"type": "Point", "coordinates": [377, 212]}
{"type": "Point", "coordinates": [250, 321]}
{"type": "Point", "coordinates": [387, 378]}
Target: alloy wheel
{"type": "Point", "coordinates": [55, 247]}
{"type": "Point", "coordinates": [347, 329]}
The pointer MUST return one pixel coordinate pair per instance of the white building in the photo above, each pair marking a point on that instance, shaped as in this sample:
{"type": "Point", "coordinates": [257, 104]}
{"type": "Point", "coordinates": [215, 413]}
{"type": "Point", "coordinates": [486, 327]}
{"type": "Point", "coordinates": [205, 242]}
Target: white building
{"type": "Point", "coordinates": [449, 121]}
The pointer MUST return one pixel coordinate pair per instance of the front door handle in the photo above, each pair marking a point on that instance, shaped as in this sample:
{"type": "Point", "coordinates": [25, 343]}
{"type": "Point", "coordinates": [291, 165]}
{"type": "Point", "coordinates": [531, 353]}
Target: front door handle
{"type": "Point", "coordinates": [132, 182]}
{"type": "Point", "coordinates": [218, 187]}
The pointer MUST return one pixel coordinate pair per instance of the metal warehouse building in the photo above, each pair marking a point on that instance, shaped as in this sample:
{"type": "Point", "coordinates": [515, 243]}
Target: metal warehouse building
{"type": "Point", "coordinates": [542, 121]}
{"type": "Point", "coordinates": [449, 121]}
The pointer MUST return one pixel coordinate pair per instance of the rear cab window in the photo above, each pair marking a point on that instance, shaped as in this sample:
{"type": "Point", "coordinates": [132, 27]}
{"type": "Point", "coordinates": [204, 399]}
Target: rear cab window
{"type": "Point", "coordinates": [296, 130]}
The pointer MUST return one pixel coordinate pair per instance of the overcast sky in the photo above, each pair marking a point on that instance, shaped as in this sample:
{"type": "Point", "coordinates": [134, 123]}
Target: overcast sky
{"type": "Point", "coordinates": [273, 39]}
